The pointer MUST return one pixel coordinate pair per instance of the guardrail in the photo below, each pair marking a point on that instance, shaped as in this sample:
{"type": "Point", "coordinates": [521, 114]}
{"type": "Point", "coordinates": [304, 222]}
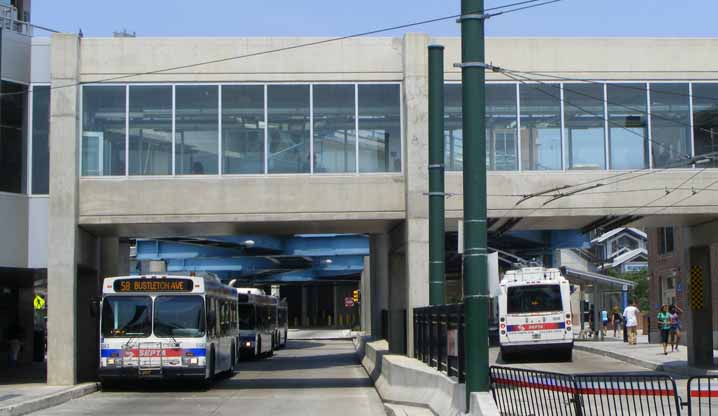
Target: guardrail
{"type": "Point", "coordinates": [439, 338]}
{"type": "Point", "coordinates": [702, 396]}
{"type": "Point", "coordinates": [529, 392]}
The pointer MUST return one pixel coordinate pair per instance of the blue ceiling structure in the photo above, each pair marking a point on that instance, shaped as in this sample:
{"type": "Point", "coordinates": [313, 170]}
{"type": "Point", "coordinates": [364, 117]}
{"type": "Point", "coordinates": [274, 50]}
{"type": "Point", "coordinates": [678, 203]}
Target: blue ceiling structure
{"type": "Point", "coordinates": [262, 258]}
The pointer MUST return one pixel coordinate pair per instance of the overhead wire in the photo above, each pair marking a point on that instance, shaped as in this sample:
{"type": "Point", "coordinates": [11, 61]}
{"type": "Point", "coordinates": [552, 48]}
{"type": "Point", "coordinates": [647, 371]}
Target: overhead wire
{"type": "Point", "coordinates": [625, 85]}
{"type": "Point", "coordinates": [606, 101]}
{"type": "Point", "coordinates": [308, 44]}
{"type": "Point", "coordinates": [525, 81]}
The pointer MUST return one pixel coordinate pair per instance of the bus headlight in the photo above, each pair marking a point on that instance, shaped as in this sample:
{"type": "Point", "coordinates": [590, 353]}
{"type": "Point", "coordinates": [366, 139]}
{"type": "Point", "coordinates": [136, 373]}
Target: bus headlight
{"type": "Point", "coordinates": [248, 344]}
{"type": "Point", "coordinates": [117, 362]}
{"type": "Point", "coordinates": [190, 360]}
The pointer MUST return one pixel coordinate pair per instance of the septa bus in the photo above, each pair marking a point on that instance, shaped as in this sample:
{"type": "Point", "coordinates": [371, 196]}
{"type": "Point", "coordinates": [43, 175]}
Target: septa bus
{"type": "Point", "coordinates": [535, 312]}
{"type": "Point", "coordinates": [257, 322]}
{"type": "Point", "coordinates": [160, 327]}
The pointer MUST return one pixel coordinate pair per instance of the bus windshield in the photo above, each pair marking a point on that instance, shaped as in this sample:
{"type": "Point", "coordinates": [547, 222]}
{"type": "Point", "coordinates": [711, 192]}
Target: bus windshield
{"type": "Point", "coordinates": [534, 298]}
{"type": "Point", "coordinates": [246, 316]}
{"type": "Point", "coordinates": [126, 316]}
{"type": "Point", "coordinates": [179, 316]}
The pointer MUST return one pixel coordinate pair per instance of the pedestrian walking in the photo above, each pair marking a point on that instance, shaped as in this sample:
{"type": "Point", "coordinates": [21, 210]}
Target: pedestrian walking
{"type": "Point", "coordinates": [664, 325]}
{"type": "Point", "coordinates": [604, 321]}
{"type": "Point", "coordinates": [630, 316]}
{"type": "Point", "coordinates": [675, 333]}
{"type": "Point", "coordinates": [616, 320]}
{"type": "Point", "coordinates": [15, 335]}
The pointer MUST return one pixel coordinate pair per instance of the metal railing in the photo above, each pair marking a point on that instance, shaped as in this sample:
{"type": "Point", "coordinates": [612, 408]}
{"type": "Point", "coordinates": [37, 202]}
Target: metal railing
{"type": "Point", "coordinates": [529, 392]}
{"type": "Point", "coordinates": [439, 338]}
{"type": "Point", "coordinates": [627, 394]}
{"type": "Point", "coordinates": [702, 396]}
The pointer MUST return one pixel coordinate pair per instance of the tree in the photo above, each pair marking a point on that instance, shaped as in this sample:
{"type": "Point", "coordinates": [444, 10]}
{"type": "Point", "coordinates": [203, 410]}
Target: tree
{"type": "Point", "coordinates": [640, 291]}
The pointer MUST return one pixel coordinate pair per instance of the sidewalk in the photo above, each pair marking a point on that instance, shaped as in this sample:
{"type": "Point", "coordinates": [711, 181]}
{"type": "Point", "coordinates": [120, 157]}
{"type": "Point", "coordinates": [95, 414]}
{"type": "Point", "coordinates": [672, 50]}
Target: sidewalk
{"type": "Point", "coordinates": [22, 390]}
{"type": "Point", "coordinates": [643, 354]}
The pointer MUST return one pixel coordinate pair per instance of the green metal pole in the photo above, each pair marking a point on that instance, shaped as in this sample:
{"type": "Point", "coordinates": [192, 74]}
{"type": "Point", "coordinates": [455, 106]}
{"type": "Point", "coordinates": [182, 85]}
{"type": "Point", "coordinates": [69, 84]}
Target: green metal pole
{"type": "Point", "coordinates": [436, 175]}
{"type": "Point", "coordinates": [476, 305]}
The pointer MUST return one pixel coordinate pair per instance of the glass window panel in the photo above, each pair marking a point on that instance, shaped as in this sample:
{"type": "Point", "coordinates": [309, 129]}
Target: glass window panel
{"type": "Point", "coordinates": [705, 120]}
{"type": "Point", "coordinates": [670, 125]}
{"type": "Point", "coordinates": [288, 126]}
{"type": "Point", "coordinates": [40, 137]}
{"type": "Point", "coordinates": [584, 123]}
{"type": "Point", "coordinates": [150, 130]}
{"type": "Point", "coordinates": [196, 129]}
{"type": "Point", "coordinates": [243, 129]}
{"type": "Point", "coordinates": [334, 129]}
{"type": "Point", "coordinates": [501, 143]}
{"type": "Point", "coordinates": [12, 115]}
{"type": "Point", "coordinates": [453, 128]}
{"type": "Point", "coordinates": [540, 126]}
{"type": "Point", "coordinates": [627, 126]}
{"type": "Point", "coordinates": [502, 146]}
{"type": "Point", "coordinates": [379, 128]}
{"type": "Point", "coordinates": [103, 130]}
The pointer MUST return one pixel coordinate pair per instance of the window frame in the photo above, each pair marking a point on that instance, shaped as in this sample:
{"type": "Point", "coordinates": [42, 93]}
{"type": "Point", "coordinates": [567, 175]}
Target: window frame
{"type": "Point", "coordinates": [265, 86]}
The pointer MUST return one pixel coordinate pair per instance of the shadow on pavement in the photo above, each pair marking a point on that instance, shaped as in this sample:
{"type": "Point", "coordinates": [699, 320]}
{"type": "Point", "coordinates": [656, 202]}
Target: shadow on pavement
{"type": "Point", "coordinates": [310, 362]}
{"type": "Point", "coordinates": [293, 383]}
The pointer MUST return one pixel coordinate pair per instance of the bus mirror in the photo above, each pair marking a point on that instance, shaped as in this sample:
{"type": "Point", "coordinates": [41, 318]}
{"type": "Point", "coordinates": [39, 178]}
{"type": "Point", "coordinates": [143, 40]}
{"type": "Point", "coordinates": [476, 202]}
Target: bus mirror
{"type": "Point", "coordinates": [94, 307]}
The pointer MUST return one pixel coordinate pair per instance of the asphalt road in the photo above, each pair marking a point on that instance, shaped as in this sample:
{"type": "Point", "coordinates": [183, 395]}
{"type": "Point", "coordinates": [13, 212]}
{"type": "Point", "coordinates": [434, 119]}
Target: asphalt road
{"type": "Point", "coordinates": [307, 378]}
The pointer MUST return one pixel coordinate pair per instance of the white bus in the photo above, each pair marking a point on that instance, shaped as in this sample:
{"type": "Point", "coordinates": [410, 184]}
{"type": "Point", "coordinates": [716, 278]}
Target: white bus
{"type": "Point", "coordinates": [161, 327]}
{"type": "Point", "coordinates": [535, 312]}
{"type": "Point", "coordinates": [257, 323]}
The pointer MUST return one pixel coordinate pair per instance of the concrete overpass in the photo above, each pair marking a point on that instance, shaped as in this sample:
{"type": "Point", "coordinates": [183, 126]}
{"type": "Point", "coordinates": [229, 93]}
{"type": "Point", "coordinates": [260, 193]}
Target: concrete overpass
{"type": "Point", "coordinates": [94, 213]}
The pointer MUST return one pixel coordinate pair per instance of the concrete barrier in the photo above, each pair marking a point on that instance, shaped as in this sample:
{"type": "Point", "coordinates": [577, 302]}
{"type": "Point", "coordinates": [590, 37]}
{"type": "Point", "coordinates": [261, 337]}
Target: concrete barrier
{"type": "Point", "coordinates": [403, 380]}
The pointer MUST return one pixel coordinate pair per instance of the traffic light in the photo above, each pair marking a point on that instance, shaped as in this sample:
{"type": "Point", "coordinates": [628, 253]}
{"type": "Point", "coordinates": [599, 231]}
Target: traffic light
{"type": "Point", "coordinates": [355, 295]}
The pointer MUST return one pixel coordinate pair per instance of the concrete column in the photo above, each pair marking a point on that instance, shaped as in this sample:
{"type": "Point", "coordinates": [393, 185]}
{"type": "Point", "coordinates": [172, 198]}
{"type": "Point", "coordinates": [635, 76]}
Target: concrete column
{"type": "Point", "coordinates": [397, 306]}
{"type": "Point", "coordinates": [700, 345]}
{"type": "Point", "coordinates": [123, 257]}
{"type": "Point", "coordinates": [335, 303]}
{"type": "Point", "coordinates": [305, 317]}
{"type": "Point", "coordinates": [365, 298]}
{"type": "Point", "coordinates": [110, 262]}
{"type": "Point", "coordinates": [416, 162]}
{"type": "Point", "coordinates": [63, 212]}
{"type": "Point", "coordinates": [379, 251]}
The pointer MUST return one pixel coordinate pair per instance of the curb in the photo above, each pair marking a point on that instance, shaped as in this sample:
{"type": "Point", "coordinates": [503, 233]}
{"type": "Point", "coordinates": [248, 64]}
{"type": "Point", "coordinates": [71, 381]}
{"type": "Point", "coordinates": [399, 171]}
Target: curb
{"type": "Point", "coordinates": [54, 399]}
{"type": "Point", "coordinates": [626, 359]}
{"type": "Point", "coordinates": [672, 369]}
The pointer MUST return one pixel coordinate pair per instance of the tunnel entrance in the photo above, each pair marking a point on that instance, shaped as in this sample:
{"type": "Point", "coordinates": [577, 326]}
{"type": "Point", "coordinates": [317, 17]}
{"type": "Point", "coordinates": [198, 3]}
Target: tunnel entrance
{"type": "Point", "coordinates": [321, 305]}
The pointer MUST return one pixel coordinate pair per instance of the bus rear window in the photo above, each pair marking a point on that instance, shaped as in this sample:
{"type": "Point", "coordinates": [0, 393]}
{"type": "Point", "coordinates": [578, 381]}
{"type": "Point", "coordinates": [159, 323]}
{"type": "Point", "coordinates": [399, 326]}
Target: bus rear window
{"type": "Point", "coordinates": [246, 316]}
{"type": "Point", "coordinates": [535, 298]}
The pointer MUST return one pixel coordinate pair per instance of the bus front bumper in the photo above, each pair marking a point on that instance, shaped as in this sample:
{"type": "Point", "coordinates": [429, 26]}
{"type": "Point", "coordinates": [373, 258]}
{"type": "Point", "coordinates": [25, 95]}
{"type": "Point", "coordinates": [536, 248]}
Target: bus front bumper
{"type": "Point", "coordinates": [130, 373]}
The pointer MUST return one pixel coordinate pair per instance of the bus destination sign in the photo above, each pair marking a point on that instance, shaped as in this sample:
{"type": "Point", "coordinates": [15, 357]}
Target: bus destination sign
{"type": "Point", "coordinates": [153, 285]}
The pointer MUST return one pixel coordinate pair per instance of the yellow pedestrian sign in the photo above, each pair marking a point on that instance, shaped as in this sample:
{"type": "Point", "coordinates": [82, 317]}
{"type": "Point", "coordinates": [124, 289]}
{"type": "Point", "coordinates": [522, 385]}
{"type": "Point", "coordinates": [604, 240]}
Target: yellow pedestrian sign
{"type": "Point", "coordinates": [39, 302]}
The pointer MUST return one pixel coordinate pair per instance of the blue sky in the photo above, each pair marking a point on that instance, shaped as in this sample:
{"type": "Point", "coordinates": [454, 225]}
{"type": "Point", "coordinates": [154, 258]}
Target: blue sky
{"type": "Point", "coordinates": [641, 18]}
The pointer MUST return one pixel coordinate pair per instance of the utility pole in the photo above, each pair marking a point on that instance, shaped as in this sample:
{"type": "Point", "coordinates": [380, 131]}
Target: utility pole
{"type": "Point", "coordinates": [476, 291]}
{"type": "Point", "coordinates": [436, 176]}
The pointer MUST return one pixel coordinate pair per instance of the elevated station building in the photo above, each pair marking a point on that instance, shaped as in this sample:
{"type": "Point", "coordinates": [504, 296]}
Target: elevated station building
{"type": "Point", "coordinates": [332, 139]}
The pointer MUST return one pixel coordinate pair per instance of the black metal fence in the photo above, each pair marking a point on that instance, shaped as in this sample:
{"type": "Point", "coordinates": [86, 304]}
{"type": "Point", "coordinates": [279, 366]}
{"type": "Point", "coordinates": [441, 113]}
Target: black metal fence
{"type": "Point", "coordinates": [702, 396]}
{"type": "Point", "coordinates": [439, 338]}
{"type": "Point", "coordinates": [627, 394]}
{"type": "Point", "coordinates": [527, 392]}
{"type": "Point", "coordinates": [521, 392]}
